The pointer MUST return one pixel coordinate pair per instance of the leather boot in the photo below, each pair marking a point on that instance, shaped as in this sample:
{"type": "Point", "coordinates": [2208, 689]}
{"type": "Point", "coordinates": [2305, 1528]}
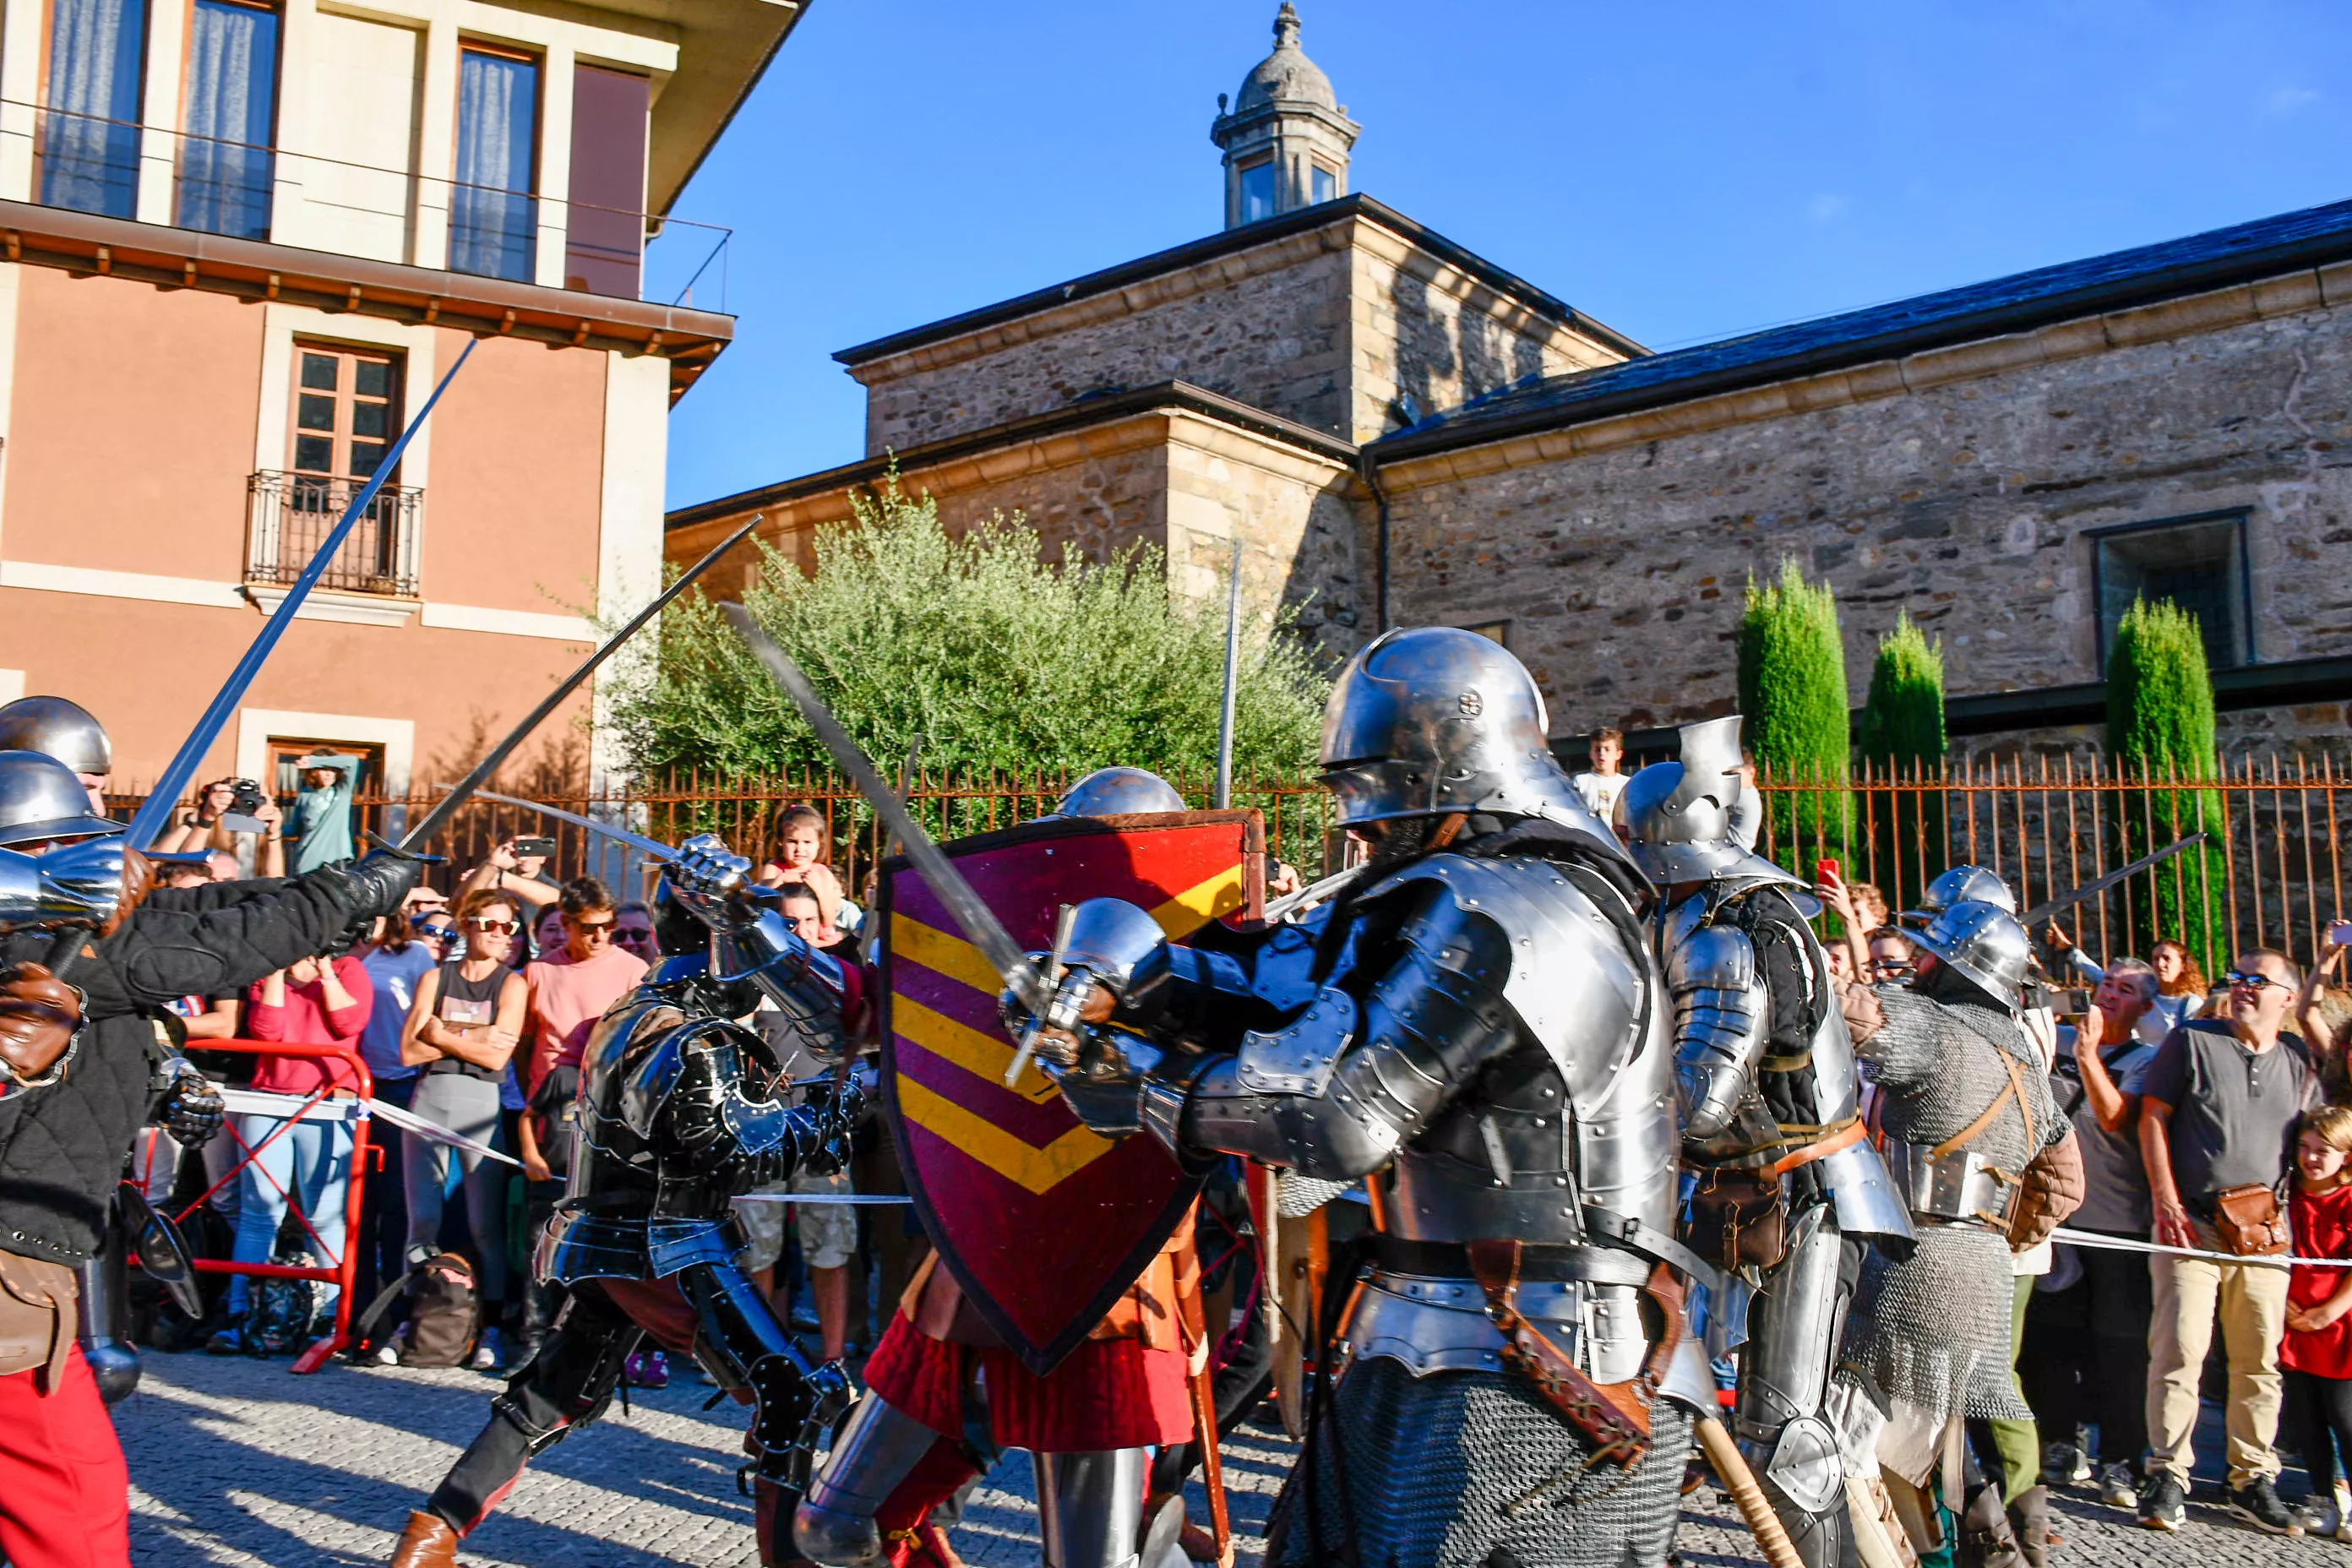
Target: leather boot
{"type": "Point", "coordinates": [1986, 1540]}
{"type": "Point", "coordinates": [427, 1543]}
{"type": "Point", "coordinates": [2029, 1517]}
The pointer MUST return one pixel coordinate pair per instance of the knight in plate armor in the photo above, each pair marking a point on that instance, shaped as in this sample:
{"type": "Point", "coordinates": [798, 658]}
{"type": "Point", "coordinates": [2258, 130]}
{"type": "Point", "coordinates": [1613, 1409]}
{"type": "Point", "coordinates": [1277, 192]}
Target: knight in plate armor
{"type": "Point", "coordinates": [1788, 1192]}
{"type": "Point", "coordinates": [1477, 1032]}
{"type": "Point", "coordinates": [679, 1112]}
{"type": "Point", "coordinates": [1965, 1105]}
{"type": "Point", "coordinates": [1091, 1424]}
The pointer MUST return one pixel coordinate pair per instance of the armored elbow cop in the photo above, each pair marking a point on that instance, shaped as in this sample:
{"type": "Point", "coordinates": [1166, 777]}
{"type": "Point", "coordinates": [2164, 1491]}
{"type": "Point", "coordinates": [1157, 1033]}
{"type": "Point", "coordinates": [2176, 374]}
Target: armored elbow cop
{"type": "Point", "coordinates": [1719, 1026]}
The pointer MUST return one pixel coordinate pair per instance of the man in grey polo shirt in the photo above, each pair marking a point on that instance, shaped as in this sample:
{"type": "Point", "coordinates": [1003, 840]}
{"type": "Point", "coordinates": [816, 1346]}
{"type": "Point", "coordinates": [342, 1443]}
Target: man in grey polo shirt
{"type": "Point", "coordinates": [2218, 1110]}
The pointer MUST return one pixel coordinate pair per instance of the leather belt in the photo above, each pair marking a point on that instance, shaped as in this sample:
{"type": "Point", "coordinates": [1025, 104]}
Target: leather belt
{"type": "Point", "coordinates": [1626, 1231]}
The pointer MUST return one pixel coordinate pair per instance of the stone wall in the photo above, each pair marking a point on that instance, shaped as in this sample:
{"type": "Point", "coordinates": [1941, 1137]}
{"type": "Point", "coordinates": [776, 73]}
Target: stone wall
{"type": "Point", "coordinates": [1326, 328]}
{"type": "Point", "coordinates": [1267, 326]}
{"type": "Point", "coordinates": [1956, 484]}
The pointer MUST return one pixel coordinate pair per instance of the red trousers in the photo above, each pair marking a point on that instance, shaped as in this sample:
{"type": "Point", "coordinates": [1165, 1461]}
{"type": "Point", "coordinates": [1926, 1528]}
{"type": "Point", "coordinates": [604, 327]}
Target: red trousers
{"type": "Point", "coordinates": [65, 1492]}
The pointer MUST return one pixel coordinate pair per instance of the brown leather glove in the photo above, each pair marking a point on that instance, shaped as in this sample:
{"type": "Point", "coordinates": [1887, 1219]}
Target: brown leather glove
{"type": "Point", "coordinates": [138, 881]}
{"type": "Point", "coordinates": [1864, 1016]}
{"type": "Point", "coordinates": [38, 1015]}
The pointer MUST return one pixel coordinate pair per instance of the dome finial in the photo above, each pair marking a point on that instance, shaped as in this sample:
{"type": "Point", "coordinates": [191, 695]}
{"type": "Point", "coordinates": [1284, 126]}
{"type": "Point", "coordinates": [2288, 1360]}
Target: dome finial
{"type": "Point", "coordinates": [1286, 27]}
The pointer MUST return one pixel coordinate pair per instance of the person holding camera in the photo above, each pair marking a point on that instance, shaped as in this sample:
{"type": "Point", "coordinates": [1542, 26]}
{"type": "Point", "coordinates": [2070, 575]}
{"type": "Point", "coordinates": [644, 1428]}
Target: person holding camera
{"type": "Point", "coordinates": [518, 867]}
{"type": "Point", "coordinates": [322, 811]}
{"type": "Point", "coordinates": [224, 809]}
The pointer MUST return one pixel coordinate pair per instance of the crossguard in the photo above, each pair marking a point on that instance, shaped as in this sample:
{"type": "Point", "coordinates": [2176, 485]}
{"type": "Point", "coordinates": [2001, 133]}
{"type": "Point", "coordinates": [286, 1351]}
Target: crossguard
{"type": "Point", "coordinates": [1052, 975]}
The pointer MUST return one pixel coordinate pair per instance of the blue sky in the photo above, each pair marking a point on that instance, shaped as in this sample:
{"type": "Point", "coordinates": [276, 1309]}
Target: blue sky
{"type": "Point", "coordinates": [1681, 173]}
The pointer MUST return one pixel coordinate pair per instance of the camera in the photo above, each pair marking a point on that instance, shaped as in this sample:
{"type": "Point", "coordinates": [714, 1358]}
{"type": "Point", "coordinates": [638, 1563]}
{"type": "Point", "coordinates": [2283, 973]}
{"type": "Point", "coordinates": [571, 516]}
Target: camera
{"type": "Point", "coordinates": [534, 848]}
{"type": "Point", "coordinates": [245, 799]}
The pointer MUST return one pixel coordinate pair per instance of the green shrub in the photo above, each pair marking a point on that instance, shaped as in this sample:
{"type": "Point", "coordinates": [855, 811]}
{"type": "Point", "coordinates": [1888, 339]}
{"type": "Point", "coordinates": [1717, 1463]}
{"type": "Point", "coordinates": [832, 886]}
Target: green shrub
{"type": "Point", "coordinates": [1000, 659]}
{"type": "Point", "coordinates": [2160, 726]}
{"type": "Point", "coordinates": [1903, 737]}
{"type": "Point", "coordinates": [1793, 692]}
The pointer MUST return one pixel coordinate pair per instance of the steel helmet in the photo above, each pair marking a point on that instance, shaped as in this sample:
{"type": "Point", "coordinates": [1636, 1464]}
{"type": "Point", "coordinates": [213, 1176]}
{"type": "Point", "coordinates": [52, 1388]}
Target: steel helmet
{"type": "Point", "coordinates": [1961, 885]}
{"type": "Point", "coordinates": [1678, 816]}
{"type": "Point", "coordinates": [1985, 944]}
{"type": "Point", "coordinates": [41, 798]}
{"type": "Point", "coordinates": [57, 728]}
{"type": "Point", "coordinates": [1430, 719]}
{"type": "Point", "coordinates": [1118, 792]}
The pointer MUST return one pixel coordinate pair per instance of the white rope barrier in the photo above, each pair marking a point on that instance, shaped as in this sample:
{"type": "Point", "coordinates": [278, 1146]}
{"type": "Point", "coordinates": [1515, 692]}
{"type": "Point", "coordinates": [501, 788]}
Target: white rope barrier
{"type": "Point", "coordinates": [2126, 1244]}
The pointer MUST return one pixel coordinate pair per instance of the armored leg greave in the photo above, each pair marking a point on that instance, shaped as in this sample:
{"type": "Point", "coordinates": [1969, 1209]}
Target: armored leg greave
{"type": "Point", "coordinates": [1091, 1507]}
{"type": "Point", "coordinates": [878, 1448]}
{"type": "Point", "coordinates": [1793, 1333]}
{"type": "Point", "coordinates": [743, 1346]}
{"type": "Point", "coordinates": [566, 1385]}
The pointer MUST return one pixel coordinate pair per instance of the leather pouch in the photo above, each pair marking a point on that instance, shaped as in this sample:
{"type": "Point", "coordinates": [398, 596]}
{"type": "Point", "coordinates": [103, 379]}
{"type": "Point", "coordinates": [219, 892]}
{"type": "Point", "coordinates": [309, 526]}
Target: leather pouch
{"type": "Point", "coordinates": [2249, 1221]}
{"type": "Point", "coordinates": [36, 1316]}
{"type": "Point", "coordinates": [1737, 1218]}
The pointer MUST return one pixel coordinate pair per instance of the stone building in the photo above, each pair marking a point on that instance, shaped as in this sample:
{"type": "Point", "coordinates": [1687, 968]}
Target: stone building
{"type": "Point", "coordinates": [1399, 431]}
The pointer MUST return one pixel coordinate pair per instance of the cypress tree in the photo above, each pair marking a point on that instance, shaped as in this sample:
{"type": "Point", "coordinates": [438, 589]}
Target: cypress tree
{"type": "Point", "coordinates": [1792, 691]}
{"type": "Point", "coordinates": [1903, 736]}
{"type": "Point", "coordinates": [2160, 726]}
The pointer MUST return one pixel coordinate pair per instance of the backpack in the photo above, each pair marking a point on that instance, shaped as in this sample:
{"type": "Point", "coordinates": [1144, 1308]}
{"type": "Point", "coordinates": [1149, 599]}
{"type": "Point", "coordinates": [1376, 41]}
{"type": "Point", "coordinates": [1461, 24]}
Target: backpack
{"type": "Point", "coordinates": [443, 1317]}
{"type": "Point", "coordinates": [282, 1315]}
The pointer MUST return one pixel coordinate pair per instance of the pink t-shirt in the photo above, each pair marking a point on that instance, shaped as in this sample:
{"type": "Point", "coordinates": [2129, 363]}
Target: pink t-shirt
{"type": "Point", "coordinates": [306, 1020]}
{"type": "Point", "coordinates": [566, 996]}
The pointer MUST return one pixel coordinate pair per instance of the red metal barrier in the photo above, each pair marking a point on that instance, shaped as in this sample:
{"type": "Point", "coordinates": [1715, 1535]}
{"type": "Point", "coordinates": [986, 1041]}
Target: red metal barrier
{"type": "Point", "coordinates": [344, 1271]}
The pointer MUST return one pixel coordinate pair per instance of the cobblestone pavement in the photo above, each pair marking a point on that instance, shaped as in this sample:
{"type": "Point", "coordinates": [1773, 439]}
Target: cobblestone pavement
{"type": "Point", "coordinates": [236, 1461]}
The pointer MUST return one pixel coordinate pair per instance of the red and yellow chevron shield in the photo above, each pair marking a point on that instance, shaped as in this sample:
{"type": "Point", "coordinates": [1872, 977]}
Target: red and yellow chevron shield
{"type": "Point", "coordinates": [1043, 1222]}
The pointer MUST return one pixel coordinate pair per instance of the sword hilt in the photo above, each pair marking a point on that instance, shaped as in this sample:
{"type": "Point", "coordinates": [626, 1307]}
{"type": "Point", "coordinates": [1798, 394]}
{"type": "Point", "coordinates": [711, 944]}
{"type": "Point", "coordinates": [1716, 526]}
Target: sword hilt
{"type": "Point", "coordinates": [1054, 966]}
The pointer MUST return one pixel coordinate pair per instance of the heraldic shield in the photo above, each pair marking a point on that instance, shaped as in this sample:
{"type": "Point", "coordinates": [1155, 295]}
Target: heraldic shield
{"type": "Point", "coordinates": [1043, 1222]}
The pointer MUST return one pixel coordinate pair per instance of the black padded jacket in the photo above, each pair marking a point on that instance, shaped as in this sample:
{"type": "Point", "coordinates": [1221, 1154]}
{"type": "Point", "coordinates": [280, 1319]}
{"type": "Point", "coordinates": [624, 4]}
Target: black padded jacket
{"type": "Point", "coordinates": [62, 1149]}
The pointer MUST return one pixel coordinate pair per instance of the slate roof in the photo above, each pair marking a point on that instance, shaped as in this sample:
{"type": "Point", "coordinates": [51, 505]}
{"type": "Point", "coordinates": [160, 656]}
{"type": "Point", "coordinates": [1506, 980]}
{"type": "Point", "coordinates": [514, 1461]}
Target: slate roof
{"type": "Point", "coordinates": [2242, 253]}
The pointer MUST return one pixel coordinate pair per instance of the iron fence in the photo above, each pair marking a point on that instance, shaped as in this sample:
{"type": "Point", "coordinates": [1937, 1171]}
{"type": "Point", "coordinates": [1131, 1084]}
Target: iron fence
{"type": "Point", "coordinates": [2271, 871]}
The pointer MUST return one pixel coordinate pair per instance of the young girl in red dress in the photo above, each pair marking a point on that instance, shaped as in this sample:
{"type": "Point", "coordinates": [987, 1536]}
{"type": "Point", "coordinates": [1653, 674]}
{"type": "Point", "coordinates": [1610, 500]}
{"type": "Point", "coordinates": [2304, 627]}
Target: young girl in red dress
{"type": "Point", "coordinates": [2316, 1356]}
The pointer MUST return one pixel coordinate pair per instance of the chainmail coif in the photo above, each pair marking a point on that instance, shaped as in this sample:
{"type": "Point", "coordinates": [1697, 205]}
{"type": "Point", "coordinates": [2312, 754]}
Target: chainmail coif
{"type": "Point", "coordinates": [1933, 1331]}
{"type": "Point", "coordinates": [1427, 1470]}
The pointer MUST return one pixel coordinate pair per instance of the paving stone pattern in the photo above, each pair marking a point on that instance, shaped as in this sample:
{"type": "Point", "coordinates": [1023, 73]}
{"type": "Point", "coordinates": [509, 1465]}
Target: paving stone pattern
{"type": "Point", "coordinates": [239, 1462]}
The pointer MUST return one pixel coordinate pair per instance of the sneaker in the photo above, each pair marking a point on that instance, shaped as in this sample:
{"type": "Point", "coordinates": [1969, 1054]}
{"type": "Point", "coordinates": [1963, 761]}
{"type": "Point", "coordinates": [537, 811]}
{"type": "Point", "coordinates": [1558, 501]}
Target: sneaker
{"type": "Point", "coordinates": [2257, 1502]}
{"type": "Point", "coordinates": [486, 1354]}
{"type": "Point", "coordinates": [646, 1369]}
{"type": "Point", "coordinates": [2164, 1505]}
{"type": "Point", "coordinates": [2118, 1487]}
{"type": "Point", "coordinates": [228, 1342]}
{"type": "Point", "coordinates": [2063, 1464]}
{"type": "Point", "coordinates": [2317, 1515]}
{"type": "Point", "coordinates": [386, 1355]}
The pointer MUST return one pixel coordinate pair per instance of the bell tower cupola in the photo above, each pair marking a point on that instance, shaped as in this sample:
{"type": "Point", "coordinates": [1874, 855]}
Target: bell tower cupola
{"type": "Point", "coordinates": [1286, 139]}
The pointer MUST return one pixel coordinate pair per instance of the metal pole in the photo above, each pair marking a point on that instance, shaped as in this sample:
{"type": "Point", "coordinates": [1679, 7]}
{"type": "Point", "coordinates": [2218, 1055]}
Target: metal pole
{"type": "Point", "coordinates": [1232, 678]}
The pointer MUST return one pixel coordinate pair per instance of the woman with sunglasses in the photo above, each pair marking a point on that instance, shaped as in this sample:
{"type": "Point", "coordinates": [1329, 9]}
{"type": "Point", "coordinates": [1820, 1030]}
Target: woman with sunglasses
{"type": "Point", "coordinates": [461, 1030]}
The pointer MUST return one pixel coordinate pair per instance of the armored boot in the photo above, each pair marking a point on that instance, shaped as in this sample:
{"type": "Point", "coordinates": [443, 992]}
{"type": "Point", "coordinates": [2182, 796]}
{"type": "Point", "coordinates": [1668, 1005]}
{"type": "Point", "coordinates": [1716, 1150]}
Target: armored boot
{"type": "Point", "coordinates": [427, 1543]}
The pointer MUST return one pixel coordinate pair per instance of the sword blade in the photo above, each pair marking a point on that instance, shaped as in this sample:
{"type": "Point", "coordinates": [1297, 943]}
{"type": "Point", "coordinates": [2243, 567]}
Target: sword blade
{"type": "Point", "coordinates": [2097, 884]}
{"type": "Point", "coordinates": [1314, 893]}
{"type": "Point", "coordinates": [464, 789]}
{"type": "Point", "coordinates": [652, 849]}
{"type": "Point", "coordinates": [156, 809]}
{"type": "Point", "coordinates": [979, 921]}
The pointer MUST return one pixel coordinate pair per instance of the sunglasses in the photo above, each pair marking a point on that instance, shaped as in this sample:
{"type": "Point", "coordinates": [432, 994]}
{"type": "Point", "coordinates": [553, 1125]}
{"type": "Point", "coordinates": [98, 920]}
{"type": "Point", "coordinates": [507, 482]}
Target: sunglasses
{"type": "Point", "coordinates": [2240, 980]}
{"type": "Point", "coordinates": [593, 928]}
{"type": "Point", "coordinates": [493, 928]}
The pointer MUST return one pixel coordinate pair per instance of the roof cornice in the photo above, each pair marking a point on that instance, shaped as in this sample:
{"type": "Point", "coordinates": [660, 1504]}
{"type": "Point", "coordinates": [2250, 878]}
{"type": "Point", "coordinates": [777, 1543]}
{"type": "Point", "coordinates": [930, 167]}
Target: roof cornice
{"type": "Point", "coordinates": [1084, 413]}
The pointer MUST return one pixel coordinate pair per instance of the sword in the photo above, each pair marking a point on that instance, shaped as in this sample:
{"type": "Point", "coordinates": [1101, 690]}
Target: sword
{"type": "Point", "coordinates": [157, 808]}
{"type": "Point", "coordinates": [1314, 893]}
{"type": "Point", "coordinates": [979, 921]}
{"type": "Point", "coordinates": [651, 848]}
{"type": "Point", "coordinates": [465, 788]}
{"type": "Point", "coordinates": [2097, 884]}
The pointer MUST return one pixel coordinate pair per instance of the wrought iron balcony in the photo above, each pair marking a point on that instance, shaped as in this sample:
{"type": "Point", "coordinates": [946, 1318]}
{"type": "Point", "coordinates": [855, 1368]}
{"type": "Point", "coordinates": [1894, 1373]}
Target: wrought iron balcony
{"type": "Point", "coordinates": [290, 515]}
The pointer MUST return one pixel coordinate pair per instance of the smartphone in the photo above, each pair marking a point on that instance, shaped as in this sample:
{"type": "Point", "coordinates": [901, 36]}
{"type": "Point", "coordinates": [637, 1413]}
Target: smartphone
{"type": "Point", "coordinates": [1824, 870]}
{"type": "Point", "coordinates": [541, 849]}
{"type": "Point", "coordinates": [2340, 932]}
